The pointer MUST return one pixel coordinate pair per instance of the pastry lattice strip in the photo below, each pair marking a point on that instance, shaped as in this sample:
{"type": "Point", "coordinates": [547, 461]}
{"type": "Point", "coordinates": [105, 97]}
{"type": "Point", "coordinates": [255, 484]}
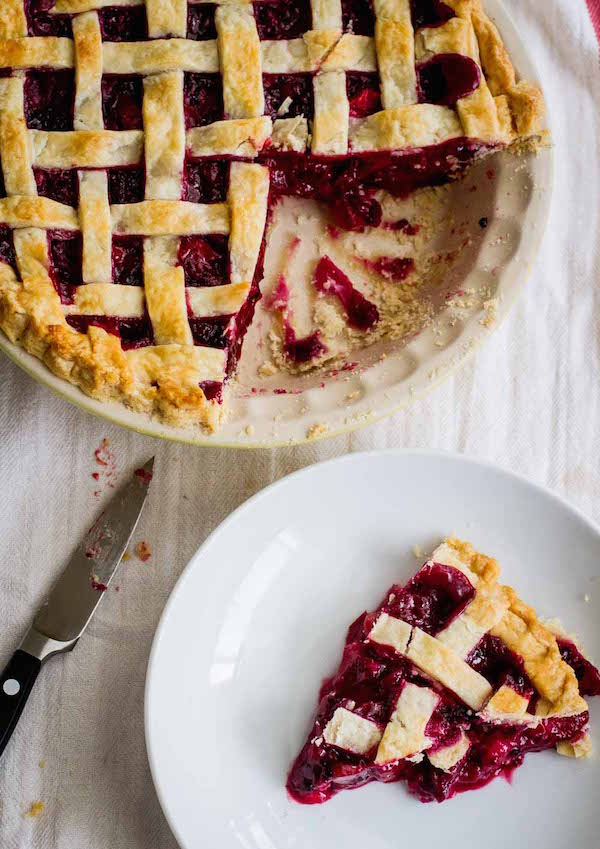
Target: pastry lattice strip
{"type": "Point", "coordinates": [442, 658]}
{"type": "Point", "coordinates": [325, 51]}
{"type": "Point", "coordinates": [30, 310]}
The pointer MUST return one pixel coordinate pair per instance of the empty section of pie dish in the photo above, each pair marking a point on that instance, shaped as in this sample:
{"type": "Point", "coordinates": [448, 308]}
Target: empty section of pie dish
{"type": "Point", "coordinates": [134, 247]}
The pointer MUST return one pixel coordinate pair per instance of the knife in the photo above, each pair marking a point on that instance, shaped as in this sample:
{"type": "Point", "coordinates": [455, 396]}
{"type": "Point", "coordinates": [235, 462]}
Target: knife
{"type": "Point", "coordinates": [64, 616]}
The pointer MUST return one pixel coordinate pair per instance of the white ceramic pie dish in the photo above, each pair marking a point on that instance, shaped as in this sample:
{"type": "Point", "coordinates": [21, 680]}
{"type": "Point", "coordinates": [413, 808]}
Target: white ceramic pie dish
{"type": "Point", "coordinates": [260, 615]}
{"type": "Point", "coordinates": [516, 202]}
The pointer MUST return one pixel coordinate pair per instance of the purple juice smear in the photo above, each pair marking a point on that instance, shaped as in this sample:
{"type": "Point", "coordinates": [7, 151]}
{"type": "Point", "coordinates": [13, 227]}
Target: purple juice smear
{"type": "Point", "coordinates": [329, 279]}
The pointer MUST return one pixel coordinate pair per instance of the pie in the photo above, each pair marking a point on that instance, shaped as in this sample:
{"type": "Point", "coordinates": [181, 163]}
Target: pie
{"type": "Point", "coordinates": [448, 684]}
{"type": "Point", "coordinates": [144, 146]}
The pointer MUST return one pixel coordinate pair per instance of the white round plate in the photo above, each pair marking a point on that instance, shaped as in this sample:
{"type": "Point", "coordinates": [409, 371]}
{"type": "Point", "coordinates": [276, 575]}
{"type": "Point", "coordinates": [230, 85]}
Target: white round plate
{"type": "Point", "coordinates": [271, 412]}
{"type": "Point", "coordinates": [260, 616]}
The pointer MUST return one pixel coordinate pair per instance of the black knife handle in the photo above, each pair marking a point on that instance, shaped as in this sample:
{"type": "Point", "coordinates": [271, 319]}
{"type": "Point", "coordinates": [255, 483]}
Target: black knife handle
{"type": "Point", "coordinates": [16, 683]}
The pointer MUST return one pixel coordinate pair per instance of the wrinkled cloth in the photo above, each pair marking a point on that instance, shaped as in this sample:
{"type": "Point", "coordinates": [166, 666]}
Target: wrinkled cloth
{"type": "Point", "coordinates": [529, 400]}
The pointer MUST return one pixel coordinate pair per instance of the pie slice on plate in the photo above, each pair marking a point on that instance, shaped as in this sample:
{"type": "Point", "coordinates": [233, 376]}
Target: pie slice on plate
{"type": "Point", "coordinates": [448, 684]}
{"type": "Point", "coordinates": [145, 145]}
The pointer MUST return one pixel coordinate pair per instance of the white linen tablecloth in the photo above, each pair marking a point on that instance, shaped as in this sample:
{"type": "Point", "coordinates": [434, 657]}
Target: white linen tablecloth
{"type": "Point", "coordinates": [529, 400]}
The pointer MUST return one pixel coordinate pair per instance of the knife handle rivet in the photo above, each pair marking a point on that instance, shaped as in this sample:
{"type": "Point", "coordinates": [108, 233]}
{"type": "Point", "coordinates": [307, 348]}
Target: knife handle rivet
{"type": "Point", "coordinates": [11, 687]}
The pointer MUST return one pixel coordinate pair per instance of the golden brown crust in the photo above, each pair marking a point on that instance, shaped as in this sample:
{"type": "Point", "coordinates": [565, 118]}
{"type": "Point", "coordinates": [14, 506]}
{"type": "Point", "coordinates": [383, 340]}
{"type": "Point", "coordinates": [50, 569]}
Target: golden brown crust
{"type": "Point", "coordinates": [245, 137]}
{"type": "Point", "coordinates": [151, 380]}
{"type": "Point", "coordinates": [87, 39]}
{"type": "Point", "coordinates": [525, 100]}
{"type": "Point", "coordinates": [86, 148]}
{"type": "Point", "coordinates": [15, 141]}
{"type": "Point", "coordinates": [483, 566]}
{"type": "Point", "coordinates": [164, 54]}
{"type": "Point", "coordinates": [164, 136]}
{"type": "Point", "coordinates": [241, 62]}
{"type": "Point", "coordinates": [94, 217]}
{"type": "Point", "coordinates": [166, 18]}
{"type": "Point", "coordinates": [332, 111]}
{"type": "Point", "coordinates": [36, 52]}
{"type": "Point", "coordinates": [162, 379]}
{"type": "Point", "coordinates": [523, 633]}
{"type": "Point", "coordinates": [13, 23]}
{"type": "Point", "coordinates": [404, 734]}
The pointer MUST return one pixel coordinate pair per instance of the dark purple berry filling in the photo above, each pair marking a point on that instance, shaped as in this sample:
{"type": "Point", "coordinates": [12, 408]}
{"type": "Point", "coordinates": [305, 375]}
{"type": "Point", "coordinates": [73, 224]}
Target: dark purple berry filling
{"type": "Point", "coordinates": [297, 87]}
{"type": "Point", "coordinates": [128, 260]}
{"type": "Point", "coordinates": [205, 180]}
{"type": "Point", "coordinates": [57, 184]}
{"type": "Point", "coordinates": [122, 97]}
{"type": "Point", "coordinates": [433, 598]}
{"type": "Point", "coordinates": [202, 99]}
{"type": "Point", "coordinates": [302, 350]}
{"type": "Point", "coordinates": [133, 332]}
{"type": "Point", "coordinates": [364, 93]}
{"type": "Point", "coordinates": [447, 78]}
{"type": "Point", "coordinates": [65, 262]}
{"type": "Point", "coordinates": [7, 247]}
{"type": "Point", "coordinates": [201, 22]}
{"type": "Point", "coordinates": [587, 674]}
{"type": "Point", "coordinates": [126, 185]}
{"type": "Point", "coordinates": [430, 13]}
{"type": "Point", "coordinates": [211, 332]}
{"type": "Point", "coordinates": [358, 17]}
{"type": "Point", "coordinates": [40, 21]}
{"type": "Point", "coordinates": [49, 98]}
{"type": "Point", "coordinates": [123, 23]}
{"type": "Point", "coordinates": [204, 260]}
{"type": "Point", "coordinates": [280, 19]}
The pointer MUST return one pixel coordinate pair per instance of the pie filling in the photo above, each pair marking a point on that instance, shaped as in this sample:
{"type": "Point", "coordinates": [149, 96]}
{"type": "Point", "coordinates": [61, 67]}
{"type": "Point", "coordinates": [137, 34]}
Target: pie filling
{"type": "Point", "coordinates": [587, 674]}
{"type": "Point", "coordinates": [346, 185]}
{"type": "Point", "coordinates": [326, 109]}
{"type": "Point", "coordinates": [446, 743]}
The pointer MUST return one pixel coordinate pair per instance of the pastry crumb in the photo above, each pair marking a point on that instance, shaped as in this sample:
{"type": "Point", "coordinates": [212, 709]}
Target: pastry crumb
{"type": "Point", "coordinates": [416, 550]}
{"type": "Point", "coordinates": [317, 430]}
{"type": "Point", "coordinates": [581, 748]}
{"type": "Point", "coordinates": [490, 306]}
{"type": "Point", "coordinates": [97, 584]}
{"type": "Point", "coordinates": [142, 551]}
{"type": "Point", "coordinates": [351, 396]}
{"type": "Point", "coordinates": [267, 369]}
{"type": "Point", "coordinates": [35, 809]}
{"type": "Point", "coordinates": [126, 556]}
{"type": "Point", "coordinates": [42, 764]}
{"type": "Point", "coordinates": [587, 598]}
{"type": "Point", "coordinates": [249, 430]}
{"type": "Point", "coordinates": [106, 459]}
{"type": "Point", "coordinates": [101, 453]}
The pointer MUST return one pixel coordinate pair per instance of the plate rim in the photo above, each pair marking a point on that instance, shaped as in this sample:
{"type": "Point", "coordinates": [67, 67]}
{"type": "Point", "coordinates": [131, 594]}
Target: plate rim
{"type": "Point", "coordinates": [119, 414]}
{"type": "Point", "coordinates": [286, 480]}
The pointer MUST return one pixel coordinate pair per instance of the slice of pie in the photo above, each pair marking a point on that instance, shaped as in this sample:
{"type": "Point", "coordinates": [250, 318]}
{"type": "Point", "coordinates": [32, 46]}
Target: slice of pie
{"type": "Point", "coordinates": [145, 145]}
{"type": "Point", "coordinates": [448, 684]}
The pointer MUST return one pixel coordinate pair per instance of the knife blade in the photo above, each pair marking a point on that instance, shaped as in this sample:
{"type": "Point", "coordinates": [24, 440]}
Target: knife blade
{"type": "Point", "coordinates": [68, 610]}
